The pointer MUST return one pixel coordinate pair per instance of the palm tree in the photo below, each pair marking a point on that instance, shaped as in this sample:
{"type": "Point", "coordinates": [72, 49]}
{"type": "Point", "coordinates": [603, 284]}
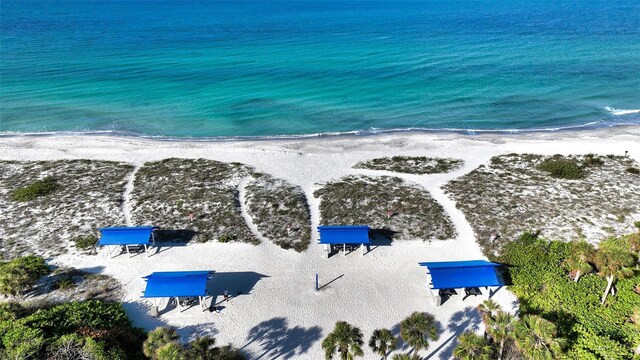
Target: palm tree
{"type": "Point", "coordinates": [472, 347]}
{"type": "Point", "coordinates": [382, 342]}
{"type": "Point", "coordinates": [417, 329]}
{"type": "Point", "coordinates": [613, 262]}
{"type": "Point", "coordinates": [170, 351]}
{"type": "Point", "coordinates": [345, 339]}
{"type": "Point", "coordinates": [487, 309]}
{"type": "Point", "coordinates": [405, 357]}
{"type": "Point", "coordinates": [634, 243]}
{"type": "Point", "coordinates": [501, 329]}
{"type": "Point", "coordinates": [580, 255]}
{"type": "Point", "coordinates": [202, 348]}
{"type": "Point", "coordinates": [536, 338]}
{"type": "Point", "coordinates": [158, 338]}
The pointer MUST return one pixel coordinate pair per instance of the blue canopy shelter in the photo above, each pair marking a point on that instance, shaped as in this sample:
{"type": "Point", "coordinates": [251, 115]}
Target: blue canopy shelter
{"type": "Point", "coordinates": [127, 237]}
{"type": "Point", "coordinates": [177, 284]}
{"type": "Point", "coordinates": [344, 235]}
{"type": "Point", "coordinates": [472, 274]}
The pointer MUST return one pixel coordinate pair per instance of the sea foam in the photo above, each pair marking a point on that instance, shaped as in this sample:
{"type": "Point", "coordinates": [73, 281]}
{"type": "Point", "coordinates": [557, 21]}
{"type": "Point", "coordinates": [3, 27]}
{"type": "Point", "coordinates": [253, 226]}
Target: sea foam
{"type": "Point", "coordinates": [619, 112]}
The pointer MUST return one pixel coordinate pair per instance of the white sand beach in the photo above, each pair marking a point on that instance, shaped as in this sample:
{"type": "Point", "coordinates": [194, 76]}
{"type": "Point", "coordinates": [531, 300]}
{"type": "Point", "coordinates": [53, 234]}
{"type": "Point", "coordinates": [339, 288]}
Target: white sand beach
{"type": "Point", "coordinates": [278, 314]}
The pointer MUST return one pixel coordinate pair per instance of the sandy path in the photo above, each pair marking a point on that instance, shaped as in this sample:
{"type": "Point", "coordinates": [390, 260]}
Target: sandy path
{"type": "Point", "coordinates": [126, 195]}
{"type": "Point", "coordinates": [242, 199]}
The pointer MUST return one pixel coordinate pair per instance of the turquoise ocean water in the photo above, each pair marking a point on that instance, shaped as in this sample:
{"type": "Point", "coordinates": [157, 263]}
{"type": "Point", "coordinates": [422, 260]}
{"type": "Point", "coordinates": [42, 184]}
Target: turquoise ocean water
{"type": "Point", "coordinates": [272, 68]}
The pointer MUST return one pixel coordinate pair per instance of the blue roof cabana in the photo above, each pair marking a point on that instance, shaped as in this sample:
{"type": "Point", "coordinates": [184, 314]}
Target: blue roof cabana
{"type": "Point", "coordinates": [344, 235]}
{"type": "Point", "coordinates": [178, 284]}
{"type": "Point", "coordinates": [127, 236]}
{"type": "Point", "coordinates": [462, 274]}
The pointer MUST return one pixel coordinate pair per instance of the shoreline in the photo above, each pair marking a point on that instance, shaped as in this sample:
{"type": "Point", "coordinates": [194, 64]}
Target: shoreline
{"type": "Point", "coordinates": [121, 148]}
{"type": "Point", "coordinates": [581, 128]}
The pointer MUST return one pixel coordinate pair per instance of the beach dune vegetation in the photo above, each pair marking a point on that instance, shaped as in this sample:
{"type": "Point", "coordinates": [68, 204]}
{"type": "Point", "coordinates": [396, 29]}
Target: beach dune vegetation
{"type": "Point", "coordinates": [513, 194]}
{"type": "Point", "coordinates": [389, 204]}
{"type": "Point", "coordinates": [411, 164]}
{"type": "Point", "coordinates": [85, 195]}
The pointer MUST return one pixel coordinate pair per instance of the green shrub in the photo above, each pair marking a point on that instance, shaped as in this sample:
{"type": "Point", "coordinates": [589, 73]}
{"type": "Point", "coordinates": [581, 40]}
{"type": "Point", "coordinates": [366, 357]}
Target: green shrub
{"type": "Point", "coordinates": [85, 242]}
{"type": "Point", "coordinates": [633, 170]}
{"type": "Point", "coordinates": [544, 288]}
{"type": "Point", "coordinates": [20, 274]}
{"type": "Point", "coordinates": [94, 329]}
{"type": "Point", "coordinates": [11, 310]}
{"type": "Point", "coordinates": [22, 342]}
{"type": "Point", "coordinates": [34, 190]}
{"type": "Point", "coordinates": [562, 168]}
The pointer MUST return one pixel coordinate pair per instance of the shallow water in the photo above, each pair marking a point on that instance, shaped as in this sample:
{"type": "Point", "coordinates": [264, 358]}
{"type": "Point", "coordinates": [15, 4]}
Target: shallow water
{"type": "Point", "coordinates": [269, 68]}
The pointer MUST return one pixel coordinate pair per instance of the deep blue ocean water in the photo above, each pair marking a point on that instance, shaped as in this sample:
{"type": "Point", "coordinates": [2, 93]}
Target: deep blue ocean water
{"type": "Point", "coordinates": [269, 68]}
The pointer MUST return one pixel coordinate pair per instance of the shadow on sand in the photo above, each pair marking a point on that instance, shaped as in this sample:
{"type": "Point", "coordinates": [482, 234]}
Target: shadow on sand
{"type": "Point", "coordinates": [467, 319]}
{"type": "Point", "coordinates": [167, 238]}
{"type": "Point", "coordinates": [279, 341]}
{"type": "Point", "coordinates": [238, 283]}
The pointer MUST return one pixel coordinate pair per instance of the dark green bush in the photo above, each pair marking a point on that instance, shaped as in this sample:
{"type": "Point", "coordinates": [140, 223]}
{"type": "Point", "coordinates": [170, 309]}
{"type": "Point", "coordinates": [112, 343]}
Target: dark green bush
{"type": "Point", "coordinates": [562, 168]}
{"type": "Point", "coordinates": [633, 170]}
{"type": "Point", "coordinates": [104, 323]}
{"type": "Point", "coordinates": [34, 190]}
{"type": "Point", "coordinates": [85, 242]}
{"type": "Point", "coordinates": [20, 274]}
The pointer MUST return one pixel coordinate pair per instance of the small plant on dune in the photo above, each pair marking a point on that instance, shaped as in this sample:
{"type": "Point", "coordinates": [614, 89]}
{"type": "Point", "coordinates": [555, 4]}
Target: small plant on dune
{"type": "Point", "coordinates": [345, 340]}
{"type": "Point", "coordinates": [633, 170]}
{"type": "Point", "coordinates": [592, 160]}
{"type": "Point", "coordinates": [88, 242]}
{"type": "Point", "coordinates": [34, 190]}
{"type": "Point", "coordinates": [562, 168]}
{"type": "Point", "coordinates": [225, 238]}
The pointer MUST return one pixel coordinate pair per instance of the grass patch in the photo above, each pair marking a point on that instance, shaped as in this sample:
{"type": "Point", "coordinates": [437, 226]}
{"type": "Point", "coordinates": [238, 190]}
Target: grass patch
{"type": "Point", "coordinates": [36, 189]}
{"type": "Point", "coordinates": [411, 164]}
{"type": "Point", "coordinates": [512, 194]}
{"type": "Point", "coordinates": [280, 212]}
{"type": "Point", "coordinates": [385, 203]}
